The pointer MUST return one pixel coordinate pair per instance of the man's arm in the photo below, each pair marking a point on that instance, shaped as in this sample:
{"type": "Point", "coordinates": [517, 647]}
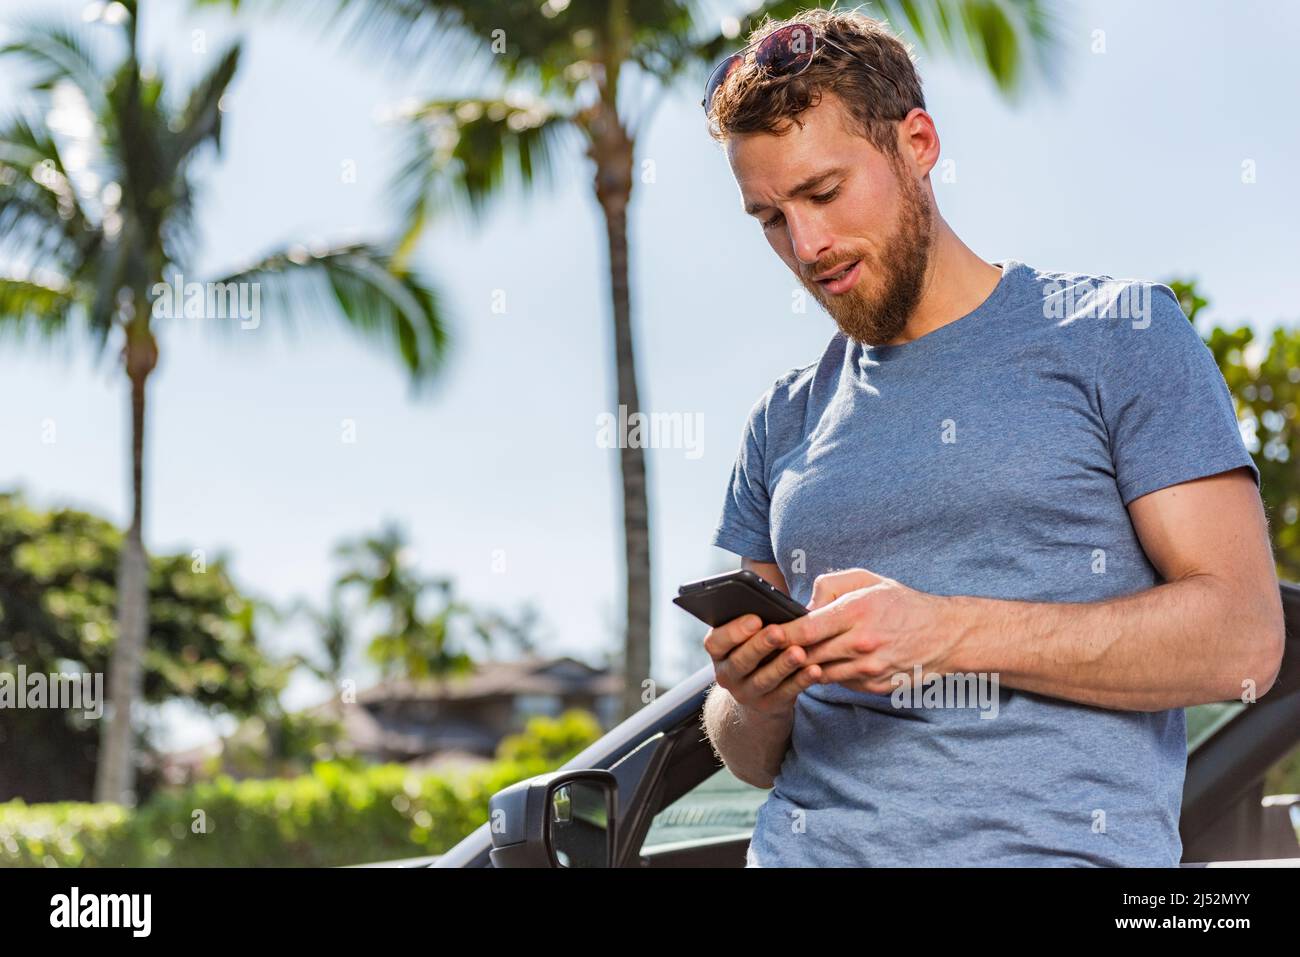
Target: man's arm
{"type": "Point", "coordinates": [1213, 631]}
{"type": "Point", "coordinates": [752, 742]}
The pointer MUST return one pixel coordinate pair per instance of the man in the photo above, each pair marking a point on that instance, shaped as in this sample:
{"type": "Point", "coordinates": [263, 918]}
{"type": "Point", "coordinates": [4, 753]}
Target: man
{"type": "Point", "coordinates": [1032, 481]}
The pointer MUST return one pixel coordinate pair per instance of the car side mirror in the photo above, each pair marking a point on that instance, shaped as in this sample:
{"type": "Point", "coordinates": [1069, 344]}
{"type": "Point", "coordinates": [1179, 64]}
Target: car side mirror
{"type": "Point", "coordinates": [561, 819]}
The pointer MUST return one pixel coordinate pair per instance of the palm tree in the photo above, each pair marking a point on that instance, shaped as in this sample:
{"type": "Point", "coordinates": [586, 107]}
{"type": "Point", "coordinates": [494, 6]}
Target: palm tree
{"type": "Point", "coordinates": [334, 630]}
{"type": "Point", "coordinates": [595, 69]}
{"type": "Point", "coordinates": [97, 210]}
{"type": "Point", "coordinates": [413, 644]}
{"type": "Point", "coordinates": [419, 643]}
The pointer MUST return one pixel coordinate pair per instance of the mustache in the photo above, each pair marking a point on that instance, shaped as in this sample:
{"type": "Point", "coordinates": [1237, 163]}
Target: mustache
{"type": "Point", "coordinates": [821, 268]}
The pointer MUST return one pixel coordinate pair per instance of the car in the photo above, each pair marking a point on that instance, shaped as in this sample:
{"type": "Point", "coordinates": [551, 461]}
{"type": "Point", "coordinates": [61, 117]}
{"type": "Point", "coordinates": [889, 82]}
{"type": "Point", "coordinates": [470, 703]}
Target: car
{"type": "Point", "coordinates": [652, 793]}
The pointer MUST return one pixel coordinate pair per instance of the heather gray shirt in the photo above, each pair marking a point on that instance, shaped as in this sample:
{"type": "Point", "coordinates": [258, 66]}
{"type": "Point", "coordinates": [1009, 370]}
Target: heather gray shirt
{"type": "Point", "coordinates": [994, 457]}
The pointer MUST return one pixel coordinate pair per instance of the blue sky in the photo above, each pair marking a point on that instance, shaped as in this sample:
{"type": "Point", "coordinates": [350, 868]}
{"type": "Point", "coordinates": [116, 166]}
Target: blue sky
{"type": "Point", "coordinates": [1132, 168]}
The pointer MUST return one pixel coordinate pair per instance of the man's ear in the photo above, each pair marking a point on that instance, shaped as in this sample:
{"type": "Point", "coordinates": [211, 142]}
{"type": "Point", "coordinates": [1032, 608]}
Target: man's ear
{"type": "Point", "coordinates": [918, 142]}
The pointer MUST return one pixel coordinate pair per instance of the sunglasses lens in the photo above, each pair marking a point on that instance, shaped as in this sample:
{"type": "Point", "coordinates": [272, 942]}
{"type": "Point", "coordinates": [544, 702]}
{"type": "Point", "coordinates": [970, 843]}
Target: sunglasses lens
{"type": "Point", "coordinates": [719, 77]}
{"type": "Point", "coordinates": [782, 53]}
{"type": "Point", "coordinates": [787, 50]}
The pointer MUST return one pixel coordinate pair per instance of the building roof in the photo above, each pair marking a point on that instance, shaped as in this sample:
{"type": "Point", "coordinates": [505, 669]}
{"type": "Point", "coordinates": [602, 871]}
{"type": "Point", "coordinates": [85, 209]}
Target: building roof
{"type": "Point", "coordinates": [374, 733]}
{"type": "Point", "coordinates": [388, 734]}
{"type": "Point", "coordinates": [526, 676]}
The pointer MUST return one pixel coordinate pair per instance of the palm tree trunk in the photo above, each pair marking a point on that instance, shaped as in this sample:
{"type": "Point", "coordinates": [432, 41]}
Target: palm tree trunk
{"type": "Point", "coordinates": [612, 151]}
{"type": "Point", "coordinates": [115, 777]}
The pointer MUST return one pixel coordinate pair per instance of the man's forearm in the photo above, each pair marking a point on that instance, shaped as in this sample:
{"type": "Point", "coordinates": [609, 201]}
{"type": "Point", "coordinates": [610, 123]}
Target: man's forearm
{"type": "Point", "coordinates": [1183, 643]}
{"type": "Point", "coordinates": [750, 743]}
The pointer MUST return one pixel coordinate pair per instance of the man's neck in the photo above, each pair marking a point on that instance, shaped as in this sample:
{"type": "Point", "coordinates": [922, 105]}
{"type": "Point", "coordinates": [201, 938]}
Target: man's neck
{"type": "Point", "coordinates": [956, 282]}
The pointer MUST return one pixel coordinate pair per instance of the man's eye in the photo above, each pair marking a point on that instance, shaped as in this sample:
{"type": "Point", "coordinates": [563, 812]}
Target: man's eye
{"type": "Point", "coordinates": [820, 198]}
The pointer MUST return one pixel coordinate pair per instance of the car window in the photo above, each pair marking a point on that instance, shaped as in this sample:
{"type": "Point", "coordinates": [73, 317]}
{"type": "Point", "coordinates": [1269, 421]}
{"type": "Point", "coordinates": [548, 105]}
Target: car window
{"type": "Point", "coordinates": [1205, 719]}
{"type": "Point", "coordinates": [720, 806]}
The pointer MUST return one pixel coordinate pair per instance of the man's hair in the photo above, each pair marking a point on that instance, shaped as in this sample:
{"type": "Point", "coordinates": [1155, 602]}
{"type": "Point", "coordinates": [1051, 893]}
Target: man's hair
{"type": "Point", "coordinates": [878, 83]}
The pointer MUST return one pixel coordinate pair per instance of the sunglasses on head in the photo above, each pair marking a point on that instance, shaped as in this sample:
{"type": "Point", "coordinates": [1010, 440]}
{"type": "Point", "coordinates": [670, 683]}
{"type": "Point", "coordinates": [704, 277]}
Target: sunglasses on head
{"type": "Point", "coordinates": [783, 52]}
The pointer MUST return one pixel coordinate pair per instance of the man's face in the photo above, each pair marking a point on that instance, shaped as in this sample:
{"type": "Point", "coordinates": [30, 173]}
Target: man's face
{"type": "Point", "coordinates": [828, 199]}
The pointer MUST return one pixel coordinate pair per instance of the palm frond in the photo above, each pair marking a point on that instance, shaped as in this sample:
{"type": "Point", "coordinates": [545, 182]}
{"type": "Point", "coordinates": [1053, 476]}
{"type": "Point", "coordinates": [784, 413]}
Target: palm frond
{"type": "Point", "coordinates": [58, 54]}
{"type": "Point", "coordinates": [441, 34]}
{"type": "Point", "coordinates": [30, 306]}
{"type": "Point", "coordinates": [359, 283]}
{"type": "Point", "coordinates": [200, 120]}
{"type": "Point", "coordinates": [41, 216]}
{"type": "Point", "coordinates": [1009, 39]}
{"type": "Point", "coordinates": [42, 307]}
{"type": "Point", "coordinates": [42, 221]}
{"type": "Point", "coordinates": [100, 247]}
{"type": "Point", "coordinates": [136, 134]}
{"type": "Point", "coordinates": [459, 153]}
{"type": "Point", "coordinates": [30, 230]}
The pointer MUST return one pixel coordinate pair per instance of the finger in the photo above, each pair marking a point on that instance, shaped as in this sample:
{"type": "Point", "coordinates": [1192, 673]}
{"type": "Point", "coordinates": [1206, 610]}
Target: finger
{"type": "Point", "coordinates": [766, 678]}
{"type": "Point", "coordinates": [831, 585]}
{"type": "Point", "coordinates": [790, 688]}
{"type": "Point", "coordinates": [869, 669]}
{"type": "Point", "coordinates": [828, 622]}
{"type": "Point", "coordinates": [870, 686]}
{"type": "Point", "coordinates": [720, 641]}
{"type": "Point", "coordinates": [846, 647]}
{"type": "Point", "coordinates": [749, 655]}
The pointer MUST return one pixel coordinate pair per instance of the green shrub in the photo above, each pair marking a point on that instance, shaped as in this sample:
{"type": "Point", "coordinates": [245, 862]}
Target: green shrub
{"type": "Point", "coordinates": [64, 835]}
{"type": "Point", "coordinates": [337, 814]}
{"type": "Point", "coordinates": [332, 816]}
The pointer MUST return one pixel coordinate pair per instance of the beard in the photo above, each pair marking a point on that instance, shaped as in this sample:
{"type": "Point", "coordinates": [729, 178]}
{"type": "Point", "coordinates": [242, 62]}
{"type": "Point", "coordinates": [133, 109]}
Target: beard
{"type": "Point", "coordinates": [875, 317]}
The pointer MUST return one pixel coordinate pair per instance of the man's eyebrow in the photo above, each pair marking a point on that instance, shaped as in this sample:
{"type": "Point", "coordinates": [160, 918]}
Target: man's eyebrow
{"type": "Point", "coordinates": [807, 186]}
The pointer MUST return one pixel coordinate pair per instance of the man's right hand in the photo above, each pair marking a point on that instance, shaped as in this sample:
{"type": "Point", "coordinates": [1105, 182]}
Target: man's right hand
{"type": "Point", "coordinates": [739, 650]}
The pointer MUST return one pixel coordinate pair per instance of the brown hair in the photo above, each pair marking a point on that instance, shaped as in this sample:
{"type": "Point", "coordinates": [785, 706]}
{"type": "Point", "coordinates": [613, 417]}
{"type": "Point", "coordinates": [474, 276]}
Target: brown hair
{"type": "Point", "coordinates": [878, 84]}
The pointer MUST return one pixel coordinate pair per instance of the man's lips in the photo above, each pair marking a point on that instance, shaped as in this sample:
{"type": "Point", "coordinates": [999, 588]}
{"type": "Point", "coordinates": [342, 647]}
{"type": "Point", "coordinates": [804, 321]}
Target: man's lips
{"type": "Point", "coordinates": [840, 281]}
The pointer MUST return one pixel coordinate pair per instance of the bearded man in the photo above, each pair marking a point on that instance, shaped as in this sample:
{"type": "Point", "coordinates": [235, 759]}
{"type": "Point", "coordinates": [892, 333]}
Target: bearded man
{"type": "Point", "coordinates": [1033, 479]}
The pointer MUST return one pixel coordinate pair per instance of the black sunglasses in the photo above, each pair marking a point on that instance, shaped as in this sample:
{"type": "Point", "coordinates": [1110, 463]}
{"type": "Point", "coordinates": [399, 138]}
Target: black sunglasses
{"type": "Point", "coordinates": [783, 52]}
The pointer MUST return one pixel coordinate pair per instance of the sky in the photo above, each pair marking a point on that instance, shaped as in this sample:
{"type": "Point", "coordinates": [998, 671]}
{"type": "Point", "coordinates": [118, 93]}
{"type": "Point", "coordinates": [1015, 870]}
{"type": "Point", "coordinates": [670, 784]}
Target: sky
{"type": "Point", "coordinates": [1130, 166]}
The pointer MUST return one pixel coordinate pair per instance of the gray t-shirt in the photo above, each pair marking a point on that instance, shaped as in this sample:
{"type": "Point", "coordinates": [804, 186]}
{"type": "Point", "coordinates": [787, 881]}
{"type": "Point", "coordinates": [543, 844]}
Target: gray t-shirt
{"type": "Point", "coordinates": [996, 457]}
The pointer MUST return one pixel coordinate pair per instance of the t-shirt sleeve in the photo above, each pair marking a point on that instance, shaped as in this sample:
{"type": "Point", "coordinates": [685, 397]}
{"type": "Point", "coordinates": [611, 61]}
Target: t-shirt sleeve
{"type": "Point", "coordinates": [743, 527]}
{"type": "Point", "coordinates": [1167, 409]}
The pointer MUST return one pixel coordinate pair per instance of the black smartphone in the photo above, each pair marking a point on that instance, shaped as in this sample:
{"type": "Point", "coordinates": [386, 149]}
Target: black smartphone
{"type": "Point", "coordinates": [726, 597]}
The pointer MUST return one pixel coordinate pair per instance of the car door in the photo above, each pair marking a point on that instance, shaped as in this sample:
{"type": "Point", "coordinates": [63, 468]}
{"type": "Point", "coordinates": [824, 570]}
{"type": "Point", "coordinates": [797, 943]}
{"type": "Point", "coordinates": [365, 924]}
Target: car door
{"type": "Point", "coordinates": [650, 754]}
{"type": "Point", "coordinates": [1227, 814]}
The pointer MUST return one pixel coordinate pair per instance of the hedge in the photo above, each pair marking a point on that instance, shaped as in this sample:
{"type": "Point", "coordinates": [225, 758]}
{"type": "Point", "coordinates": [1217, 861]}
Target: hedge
{"type": "Point", "coordinates": [340, 813]}
{"type": "Point", "coordinates": [335, 815]}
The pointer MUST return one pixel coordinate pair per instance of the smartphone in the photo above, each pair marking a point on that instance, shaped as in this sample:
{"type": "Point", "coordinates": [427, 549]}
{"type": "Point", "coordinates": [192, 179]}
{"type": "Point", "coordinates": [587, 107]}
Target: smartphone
{"type": "Point", "coordinates": [726, 597]}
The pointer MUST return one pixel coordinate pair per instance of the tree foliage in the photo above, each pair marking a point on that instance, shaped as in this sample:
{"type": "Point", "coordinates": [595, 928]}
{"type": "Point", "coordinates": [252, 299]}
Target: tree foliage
{"type": "Point", "coordinates": [57, 615]}
{"type": "Point", "coordinates": [1263, 375]}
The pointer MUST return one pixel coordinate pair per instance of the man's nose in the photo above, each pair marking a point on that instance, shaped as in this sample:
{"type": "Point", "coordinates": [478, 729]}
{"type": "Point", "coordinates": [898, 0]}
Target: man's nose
{"type": "Point", "coordinates": [809, 239]}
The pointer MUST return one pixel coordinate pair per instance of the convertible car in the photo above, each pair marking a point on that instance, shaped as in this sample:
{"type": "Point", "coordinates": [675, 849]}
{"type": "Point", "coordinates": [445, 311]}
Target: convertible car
{"type": "Point", "coordinates": [651, 792]}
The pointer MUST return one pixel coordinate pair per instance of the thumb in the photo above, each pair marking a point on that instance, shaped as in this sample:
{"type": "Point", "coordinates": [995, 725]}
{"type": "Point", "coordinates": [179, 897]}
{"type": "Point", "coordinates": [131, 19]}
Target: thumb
{"type": "Point", "coordinates": [830, 586]}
